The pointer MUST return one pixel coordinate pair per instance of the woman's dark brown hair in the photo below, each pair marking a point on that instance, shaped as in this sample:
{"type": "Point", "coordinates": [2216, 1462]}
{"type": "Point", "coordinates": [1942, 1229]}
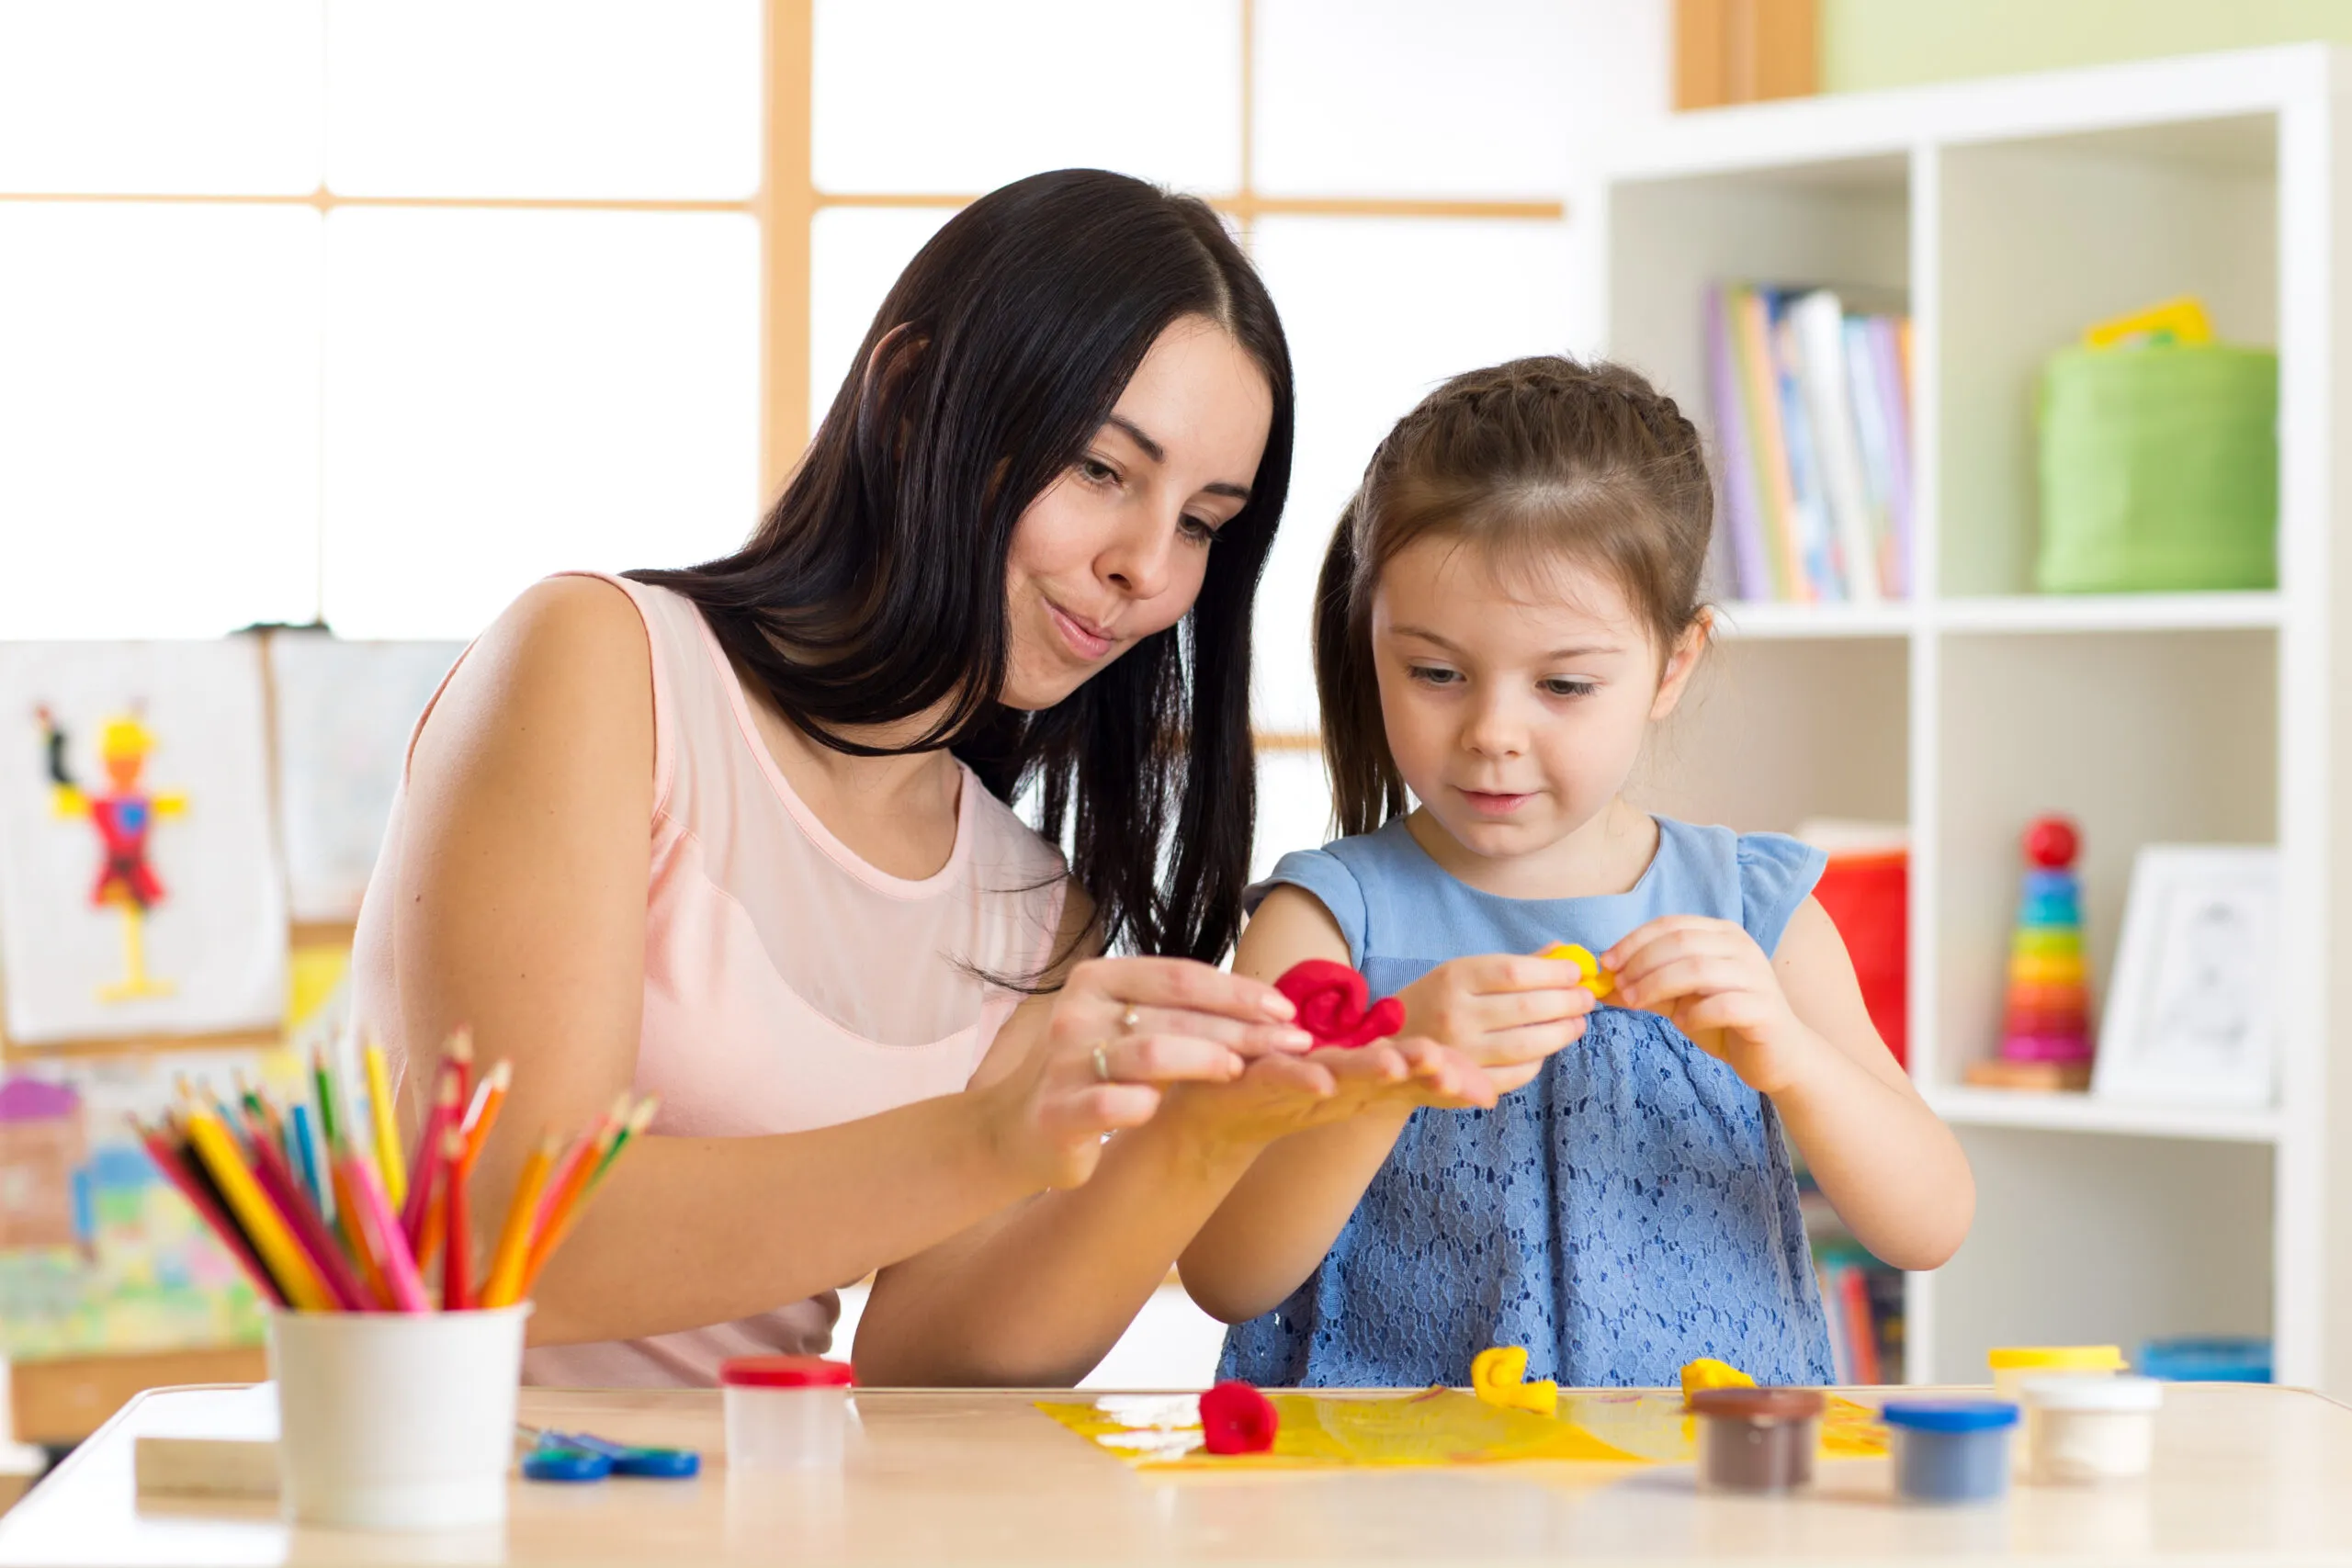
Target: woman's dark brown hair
{"type": "Point", "coordinates": [1532, 461]}
{"type": "Point", "coordinates": [874, 590]}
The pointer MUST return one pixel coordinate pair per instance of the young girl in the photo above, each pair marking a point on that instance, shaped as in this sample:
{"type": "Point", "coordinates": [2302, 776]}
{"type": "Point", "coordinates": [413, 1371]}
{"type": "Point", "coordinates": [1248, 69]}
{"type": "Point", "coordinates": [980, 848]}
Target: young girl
{"type": "Point", "coordinates": [1509, 604]}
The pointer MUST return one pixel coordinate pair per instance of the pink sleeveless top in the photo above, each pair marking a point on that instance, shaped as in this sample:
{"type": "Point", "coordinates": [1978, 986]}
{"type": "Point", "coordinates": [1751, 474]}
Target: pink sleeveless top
{"type": "Point", "coordinates": [789, 985]}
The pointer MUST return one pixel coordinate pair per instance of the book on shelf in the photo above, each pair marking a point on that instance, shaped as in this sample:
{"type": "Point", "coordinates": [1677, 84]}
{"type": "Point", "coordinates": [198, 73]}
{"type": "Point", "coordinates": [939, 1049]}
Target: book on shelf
{"type": "Point", "coordinates": [1811, 401]}
{"type": "Point", "coordinates": [1861, 1297]}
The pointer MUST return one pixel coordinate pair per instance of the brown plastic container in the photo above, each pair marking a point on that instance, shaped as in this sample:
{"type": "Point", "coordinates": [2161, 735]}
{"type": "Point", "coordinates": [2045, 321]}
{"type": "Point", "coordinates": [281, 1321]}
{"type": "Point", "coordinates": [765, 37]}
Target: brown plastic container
{"type": "Point", "coordinates": [1756, 1439]}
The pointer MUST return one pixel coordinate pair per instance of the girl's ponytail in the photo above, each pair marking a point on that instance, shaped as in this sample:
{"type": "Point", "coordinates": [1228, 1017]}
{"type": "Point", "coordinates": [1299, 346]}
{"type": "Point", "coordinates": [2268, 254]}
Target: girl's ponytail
{"type": "Point", "coordinates": [1366, 788]}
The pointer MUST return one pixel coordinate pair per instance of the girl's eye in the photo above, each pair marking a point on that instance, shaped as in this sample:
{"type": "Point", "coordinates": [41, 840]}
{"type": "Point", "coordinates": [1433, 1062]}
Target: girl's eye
{"type": "Point", "coordinates": [1096, 471]}
{"type": "Point", "coordinates": [1435, 674]}
{"type": "Point", "coordinates": [1195, 530]}
{"type": "Point", "coordinates": [1568, 688]}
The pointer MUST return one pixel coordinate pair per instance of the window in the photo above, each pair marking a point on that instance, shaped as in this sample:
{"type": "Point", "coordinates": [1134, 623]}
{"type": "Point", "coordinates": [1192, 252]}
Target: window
{"type": "Point", "coordinates": [377, 309]}
{"type": "Point", "coordinates": [369, 309]}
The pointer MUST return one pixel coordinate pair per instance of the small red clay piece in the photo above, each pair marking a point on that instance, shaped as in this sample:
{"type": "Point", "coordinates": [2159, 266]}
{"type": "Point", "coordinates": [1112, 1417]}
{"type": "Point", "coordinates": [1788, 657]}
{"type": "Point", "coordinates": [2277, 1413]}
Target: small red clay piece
{"type": "Point", "coordinates": [1331, 998]}
{"type": "Point", "coordinates": [1236, 1418]}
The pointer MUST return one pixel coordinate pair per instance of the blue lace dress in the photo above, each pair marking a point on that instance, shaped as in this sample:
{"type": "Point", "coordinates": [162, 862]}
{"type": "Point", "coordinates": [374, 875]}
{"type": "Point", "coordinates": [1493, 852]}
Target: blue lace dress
{"type": "Point", "coordinates": [1630, 1210]}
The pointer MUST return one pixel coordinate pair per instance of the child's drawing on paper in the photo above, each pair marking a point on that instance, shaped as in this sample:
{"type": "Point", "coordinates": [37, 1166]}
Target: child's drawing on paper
{"type": "Point", "coordinates": [43, 1202]}
{"type": "Point", "coordinates": [344, 711]}
{"type": "Point", "coordinates": [124, 815]}
{"type": "Point", "coordinates": [139, 890]}
{"type": "Point", "coordinates": [121, 1263]}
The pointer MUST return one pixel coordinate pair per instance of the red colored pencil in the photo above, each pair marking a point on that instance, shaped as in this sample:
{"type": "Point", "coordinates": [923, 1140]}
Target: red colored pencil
{"type": "Point", "coordinates": [458, 1264]}
{"type": "Point", "coordinates": [278, 1184]}
{"type": "Point", "coordinates": [427, 1166]}
{"type": "Point", "coordinates": [178, 1170]}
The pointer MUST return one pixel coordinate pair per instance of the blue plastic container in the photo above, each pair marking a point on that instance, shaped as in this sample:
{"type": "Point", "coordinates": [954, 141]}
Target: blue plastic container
{"type": "Point", "coordinates": [1950, 1450]}
{"type": "Point", "coordinates": [2206, 1359]}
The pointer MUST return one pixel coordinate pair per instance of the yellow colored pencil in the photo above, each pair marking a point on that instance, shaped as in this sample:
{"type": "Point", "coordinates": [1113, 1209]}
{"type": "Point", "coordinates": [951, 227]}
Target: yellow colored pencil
{"type": "Point", "coordinates": [388, 1131]}
{"type": "Point", "coordinates": [563, 1206]}
{"type": "Point", "coordinates": [217, 1148]}
{"type": "Point", "coordinates": [506, 1286]}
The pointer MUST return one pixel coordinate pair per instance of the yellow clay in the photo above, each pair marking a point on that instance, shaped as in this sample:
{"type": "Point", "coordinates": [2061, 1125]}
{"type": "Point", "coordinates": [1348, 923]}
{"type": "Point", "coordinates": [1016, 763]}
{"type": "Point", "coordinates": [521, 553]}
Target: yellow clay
{"type": "Point", "coordinates": [1596, 980]}
{"type": "Point", "coordinates": [1707, 1372]}
{"type": "Point", "coordinates": [1499, 1376]}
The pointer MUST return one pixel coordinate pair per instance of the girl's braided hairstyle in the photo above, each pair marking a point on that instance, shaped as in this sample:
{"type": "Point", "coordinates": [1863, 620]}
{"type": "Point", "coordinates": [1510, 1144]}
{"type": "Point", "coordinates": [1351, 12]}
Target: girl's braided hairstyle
{"type": "Point", "coordinates": [1535, 460]}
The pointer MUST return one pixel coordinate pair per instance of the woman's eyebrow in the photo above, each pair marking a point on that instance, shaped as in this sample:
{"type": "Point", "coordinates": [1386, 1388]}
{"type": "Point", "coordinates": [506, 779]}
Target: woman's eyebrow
{"type": "Point", "coordinates": [1158, 454]}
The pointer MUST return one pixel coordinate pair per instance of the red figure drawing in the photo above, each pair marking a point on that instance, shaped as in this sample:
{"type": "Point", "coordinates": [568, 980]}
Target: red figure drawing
{"type": "Point", "coordinates": [124, 816]}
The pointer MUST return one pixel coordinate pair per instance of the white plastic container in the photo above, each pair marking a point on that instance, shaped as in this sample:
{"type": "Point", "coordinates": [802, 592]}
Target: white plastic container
{"type": "Point", "coordinates": [2012, 1365]}
{"type": "Point", "coordinates": [2080, 1430]}
{"type": "Point", "coordinates": [786, 1412]}
{"type": "Point", "coordinates": [396, 1421]}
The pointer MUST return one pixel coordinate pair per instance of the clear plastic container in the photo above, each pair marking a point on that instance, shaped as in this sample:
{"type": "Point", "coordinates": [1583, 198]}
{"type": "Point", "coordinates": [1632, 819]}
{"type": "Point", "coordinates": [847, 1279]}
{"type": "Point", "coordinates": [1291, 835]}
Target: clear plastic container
{"type": "Point", "coordinates": [2089, 1429]}
{"type": "Point", "coordinates": [786, 1412]}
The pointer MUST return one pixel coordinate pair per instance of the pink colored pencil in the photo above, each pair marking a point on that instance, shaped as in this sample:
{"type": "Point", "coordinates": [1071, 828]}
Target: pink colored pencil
{"type": "Point", "coordinates": [382, 1229]}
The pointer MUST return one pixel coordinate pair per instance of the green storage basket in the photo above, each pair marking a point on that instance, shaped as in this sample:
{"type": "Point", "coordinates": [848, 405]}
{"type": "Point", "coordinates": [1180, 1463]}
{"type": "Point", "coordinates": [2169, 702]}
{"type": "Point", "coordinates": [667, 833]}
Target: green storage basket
{"type": "Point", "coordinates": [2159, 469]}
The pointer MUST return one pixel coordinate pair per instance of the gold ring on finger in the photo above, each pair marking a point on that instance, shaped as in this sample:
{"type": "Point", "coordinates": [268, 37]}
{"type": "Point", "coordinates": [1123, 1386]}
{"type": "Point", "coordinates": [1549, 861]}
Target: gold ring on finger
{"type": "Point", "coordinates": [1102, 1063]}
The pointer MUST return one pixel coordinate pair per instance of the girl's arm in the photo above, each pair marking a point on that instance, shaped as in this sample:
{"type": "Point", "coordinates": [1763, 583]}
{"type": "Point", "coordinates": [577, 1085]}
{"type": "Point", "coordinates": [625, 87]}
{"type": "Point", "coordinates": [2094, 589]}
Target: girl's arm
{"type": "Point", "coordinates": [1502, 1011]}
{"type": "Point", "coordinates": [517, 903]}
{"type": "Point", "coordinates": [1794, 1027]}
{"type": "Point", "coordinates": [1036, 1295]}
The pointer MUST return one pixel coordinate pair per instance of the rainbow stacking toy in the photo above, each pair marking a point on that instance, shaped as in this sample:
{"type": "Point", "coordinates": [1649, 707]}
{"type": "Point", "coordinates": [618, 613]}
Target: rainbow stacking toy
{"type": "Point", "coordinates": [2046, 1028]}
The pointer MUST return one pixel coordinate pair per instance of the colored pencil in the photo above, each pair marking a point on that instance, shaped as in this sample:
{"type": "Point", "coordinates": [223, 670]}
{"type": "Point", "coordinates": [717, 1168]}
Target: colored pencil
{"type": "Point", "coordinates": [382, 1228]}
{"type": "Point", "coordinates": [428, 1162]}
{"type": "Point", "coordinates": [562, 1214]}
{"type": "Point", "coordinates": [458, 1266]}
{"type": "Point", "coordinates": [514, 1237]}
{"type": "Point", "coordinates": [175, 1164]}
{"type": "Point", "coordinates": [355, 1234]}
{"type": "Point", "coordinates": [276, 1179]}
{"type": "Point", "coordinates": [482, 1115]}
{"type": "Point", "coordinates": [387, 1124]}
{"type": "Point", "coordinates": [584, 1151]}
{"type": "Point", "coordinates": [639, 1120]}
{"type": "Point", "coordinates": [217, 1148]}
{"type": "Point", "coordinates": [327, 1120]}
{"type": "Point", "coordinates": [307, 1160]}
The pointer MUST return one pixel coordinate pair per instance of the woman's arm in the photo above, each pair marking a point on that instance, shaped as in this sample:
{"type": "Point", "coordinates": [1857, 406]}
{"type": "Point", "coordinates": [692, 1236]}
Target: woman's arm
{"type": "Point", "coordinates": [1794, 1027]}
{"type": "Point", "coordinates": [521, 890]}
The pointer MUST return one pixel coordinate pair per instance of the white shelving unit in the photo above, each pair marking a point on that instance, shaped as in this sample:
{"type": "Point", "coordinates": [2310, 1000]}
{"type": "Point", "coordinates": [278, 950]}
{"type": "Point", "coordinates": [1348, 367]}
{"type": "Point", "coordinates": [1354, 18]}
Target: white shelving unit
{"type": "Point", "coordinates": [2013, 213]}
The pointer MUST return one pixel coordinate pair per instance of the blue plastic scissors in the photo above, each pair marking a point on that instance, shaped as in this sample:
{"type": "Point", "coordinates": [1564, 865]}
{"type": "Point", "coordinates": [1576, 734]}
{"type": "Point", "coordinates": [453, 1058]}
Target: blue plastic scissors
{"type": "Point", "coordinates": [576, 1456]}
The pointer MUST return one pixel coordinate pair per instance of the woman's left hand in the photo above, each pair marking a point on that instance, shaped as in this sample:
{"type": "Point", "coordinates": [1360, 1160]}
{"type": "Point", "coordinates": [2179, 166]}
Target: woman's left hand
{"type": "Point", "coordinates": [1710, 979]}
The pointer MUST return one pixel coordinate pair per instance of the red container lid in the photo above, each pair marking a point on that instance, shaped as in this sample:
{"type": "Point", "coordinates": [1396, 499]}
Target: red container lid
{"type": "Point", "coordinates": [786, 1371]}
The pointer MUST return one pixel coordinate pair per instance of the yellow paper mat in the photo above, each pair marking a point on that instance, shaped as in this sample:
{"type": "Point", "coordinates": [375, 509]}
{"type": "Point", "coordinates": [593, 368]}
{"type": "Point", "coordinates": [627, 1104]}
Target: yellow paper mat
{"type": "Point", "coordinates": [1438, 1425]}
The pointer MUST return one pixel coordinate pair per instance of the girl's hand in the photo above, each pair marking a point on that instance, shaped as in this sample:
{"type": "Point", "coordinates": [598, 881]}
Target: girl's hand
{"type": "Point", "coordinates": [1282, 1095]}
{"type": "Point", "coordinates": [1118, 1030]}
{"type": "Point", "coordinates": [1505, 1011]}
{"type": "Point", "coordinates": [1710, 979]}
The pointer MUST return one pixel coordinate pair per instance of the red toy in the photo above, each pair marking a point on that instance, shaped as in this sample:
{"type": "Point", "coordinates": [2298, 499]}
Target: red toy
{"type": "Point", "coordinates": [1235, 1418]}
{"type": "Point", "coordinates": [1331, 998]}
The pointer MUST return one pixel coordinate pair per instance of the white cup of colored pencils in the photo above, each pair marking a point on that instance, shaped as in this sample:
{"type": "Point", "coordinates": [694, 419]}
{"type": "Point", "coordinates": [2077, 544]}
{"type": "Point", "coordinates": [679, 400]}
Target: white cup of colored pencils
{"type": "Point", "coordinates": [395, 1352]}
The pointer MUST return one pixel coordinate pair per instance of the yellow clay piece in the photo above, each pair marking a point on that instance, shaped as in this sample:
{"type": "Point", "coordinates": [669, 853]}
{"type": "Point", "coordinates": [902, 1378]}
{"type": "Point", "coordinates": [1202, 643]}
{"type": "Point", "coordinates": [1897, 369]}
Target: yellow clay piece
{"type": "Point", "coordinates": [1706, 1372]}
{"type": "Point", "coordinates": [1499, 1376]}
{"type": "Point", "coordinates": [1596, 980]}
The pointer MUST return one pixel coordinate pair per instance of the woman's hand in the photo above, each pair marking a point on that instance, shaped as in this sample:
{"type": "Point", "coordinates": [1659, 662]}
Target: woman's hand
{"type": "Point", "coordinates": [1710, 979]}
{"type": "Point", "coordinates": [1120, 1031]}
{"type": "Point", "coordinates": [1505, 1011]}
{"type": "Point", "coordinates": [1282, 1095]}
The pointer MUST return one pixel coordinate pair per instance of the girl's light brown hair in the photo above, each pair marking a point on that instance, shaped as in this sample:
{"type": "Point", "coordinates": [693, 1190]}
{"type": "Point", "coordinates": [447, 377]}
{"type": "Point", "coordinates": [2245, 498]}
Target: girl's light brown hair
{"type": "Point", "coordinates": [1536, 459]}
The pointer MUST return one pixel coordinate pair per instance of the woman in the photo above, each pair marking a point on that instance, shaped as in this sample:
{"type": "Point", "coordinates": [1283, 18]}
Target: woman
{"type": "Point", "coordinates": [736, 836]}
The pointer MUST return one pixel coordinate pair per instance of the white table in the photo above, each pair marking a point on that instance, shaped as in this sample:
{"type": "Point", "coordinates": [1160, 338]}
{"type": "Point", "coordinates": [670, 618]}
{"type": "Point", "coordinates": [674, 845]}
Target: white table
{"type": "Point", "coordinates": [2242, 1474]}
